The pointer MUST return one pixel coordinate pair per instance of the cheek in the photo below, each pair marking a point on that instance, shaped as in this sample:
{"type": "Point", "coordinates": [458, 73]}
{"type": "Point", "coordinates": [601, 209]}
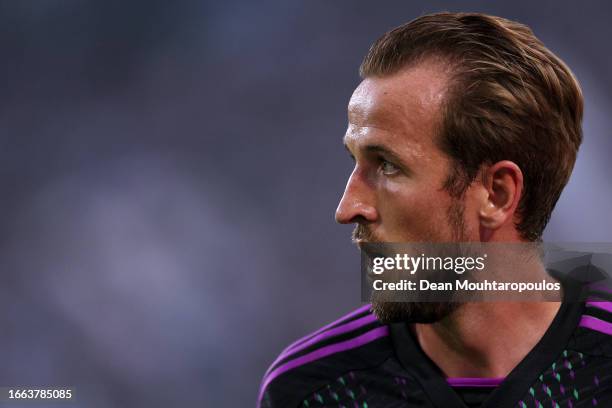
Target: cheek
{"type": "Point", "coordinates": [413, 210]}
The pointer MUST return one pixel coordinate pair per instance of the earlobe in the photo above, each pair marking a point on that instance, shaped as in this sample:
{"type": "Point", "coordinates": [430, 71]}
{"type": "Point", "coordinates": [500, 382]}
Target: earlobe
{"type": "Point", "coordinates": [487, 214]}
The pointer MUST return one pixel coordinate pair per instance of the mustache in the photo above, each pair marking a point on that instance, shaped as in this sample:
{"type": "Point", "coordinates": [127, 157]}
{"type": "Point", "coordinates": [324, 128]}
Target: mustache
{"type": "Point", "coordinates": [364, 234]}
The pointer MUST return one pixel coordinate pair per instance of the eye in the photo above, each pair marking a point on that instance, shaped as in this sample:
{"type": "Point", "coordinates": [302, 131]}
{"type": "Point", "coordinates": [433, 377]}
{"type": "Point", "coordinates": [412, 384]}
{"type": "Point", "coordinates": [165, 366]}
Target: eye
{"type": "Point", "coordinates": [388, 168]}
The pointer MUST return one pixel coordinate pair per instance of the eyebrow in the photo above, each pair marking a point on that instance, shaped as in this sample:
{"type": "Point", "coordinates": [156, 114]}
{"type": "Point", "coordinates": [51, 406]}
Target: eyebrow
{"type": "Point", "coordinates": [382, 150]}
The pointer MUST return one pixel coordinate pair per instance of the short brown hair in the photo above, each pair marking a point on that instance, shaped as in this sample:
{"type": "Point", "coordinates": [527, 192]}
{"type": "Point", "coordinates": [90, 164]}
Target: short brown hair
{"type": "Point", "coordinates": [509, 98]}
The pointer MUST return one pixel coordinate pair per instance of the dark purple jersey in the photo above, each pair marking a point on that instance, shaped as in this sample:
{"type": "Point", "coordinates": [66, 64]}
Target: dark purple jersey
{"type": "Point", "coordinates": [359, 362]}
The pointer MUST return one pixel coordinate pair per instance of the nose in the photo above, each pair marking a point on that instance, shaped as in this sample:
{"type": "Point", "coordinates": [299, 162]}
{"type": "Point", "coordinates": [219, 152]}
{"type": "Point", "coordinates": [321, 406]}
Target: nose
{"type": "Point", "coordinates": [358, 201]}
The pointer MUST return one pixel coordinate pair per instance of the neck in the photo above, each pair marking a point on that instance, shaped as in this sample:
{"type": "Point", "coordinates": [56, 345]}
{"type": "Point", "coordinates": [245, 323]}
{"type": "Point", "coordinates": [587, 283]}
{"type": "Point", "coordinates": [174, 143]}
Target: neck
{"type": "Point", "coordinates": [485, 339]}
{"type": "Point", "coordinates": [489, 339]}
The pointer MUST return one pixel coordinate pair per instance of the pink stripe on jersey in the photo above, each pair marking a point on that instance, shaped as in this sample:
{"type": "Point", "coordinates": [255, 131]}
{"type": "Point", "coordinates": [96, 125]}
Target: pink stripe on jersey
{"type": "Point", "coordinates": [347, 317]}
{"type": "Point", "coordinates": [474, 381]}
{"type": "Point", "coordinates": [594, 323]}
{"type": "Point", "coordinates": [607, 306]}
{"type": "Point", "coordinates": [601, 287]}
{"type": "Point", "coordinates": [345, 328]}
{"type": "Point", "coordinates": [358, 341]}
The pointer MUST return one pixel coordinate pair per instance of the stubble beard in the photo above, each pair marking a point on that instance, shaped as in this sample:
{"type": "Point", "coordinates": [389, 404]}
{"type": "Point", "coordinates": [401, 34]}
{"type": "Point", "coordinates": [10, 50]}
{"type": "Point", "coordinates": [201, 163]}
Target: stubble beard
{"type": "Point", "coordinates": [418, 312]}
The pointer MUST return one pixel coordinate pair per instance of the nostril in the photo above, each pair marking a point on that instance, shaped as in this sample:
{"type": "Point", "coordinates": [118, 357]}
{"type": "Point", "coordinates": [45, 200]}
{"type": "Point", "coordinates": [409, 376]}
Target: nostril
{"type": "Point", "coordinates": [359, 219]}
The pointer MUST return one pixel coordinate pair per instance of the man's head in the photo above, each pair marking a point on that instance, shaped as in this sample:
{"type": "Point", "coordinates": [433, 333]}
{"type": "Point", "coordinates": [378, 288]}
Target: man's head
{"type": "Point", "coordinates": [464, 128]}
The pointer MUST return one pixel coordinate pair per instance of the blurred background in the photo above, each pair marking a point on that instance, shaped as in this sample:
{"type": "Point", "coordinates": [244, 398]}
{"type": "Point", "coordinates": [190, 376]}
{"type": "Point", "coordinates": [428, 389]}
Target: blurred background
{"type": "Point", "coordinates": [169, 175]}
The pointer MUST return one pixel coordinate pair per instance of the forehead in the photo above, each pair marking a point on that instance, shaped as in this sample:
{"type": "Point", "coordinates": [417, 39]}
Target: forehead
{"type": "Point", "coordinates": [405, 106]}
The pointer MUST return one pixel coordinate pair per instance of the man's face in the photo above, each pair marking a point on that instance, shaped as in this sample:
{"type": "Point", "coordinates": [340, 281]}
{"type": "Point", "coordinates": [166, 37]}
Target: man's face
{"type": "Point", "coordinates": [395, 192]}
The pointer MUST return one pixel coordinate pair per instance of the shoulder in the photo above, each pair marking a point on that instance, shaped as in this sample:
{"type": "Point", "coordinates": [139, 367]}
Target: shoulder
{"type": "Point", "coordinates": [594, 332]}
{"type": "Point", "coordinates": [355, 341]}
{"type": "Point", "coordinates": [597, 313]}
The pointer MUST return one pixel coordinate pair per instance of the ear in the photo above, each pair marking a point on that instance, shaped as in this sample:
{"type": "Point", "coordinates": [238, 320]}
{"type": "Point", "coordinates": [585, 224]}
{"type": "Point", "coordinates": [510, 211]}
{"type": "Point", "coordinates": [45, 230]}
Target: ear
{"type": "Point", "coordinates": [503, 185]}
